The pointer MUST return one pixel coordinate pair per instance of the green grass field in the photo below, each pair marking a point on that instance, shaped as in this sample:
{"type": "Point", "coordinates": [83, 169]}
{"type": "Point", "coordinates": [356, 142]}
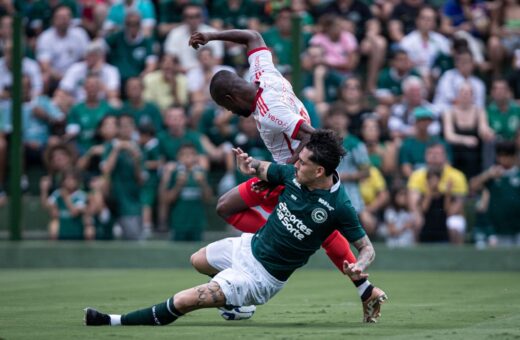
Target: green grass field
{"type": "Point", "coordinates": [315, 304]}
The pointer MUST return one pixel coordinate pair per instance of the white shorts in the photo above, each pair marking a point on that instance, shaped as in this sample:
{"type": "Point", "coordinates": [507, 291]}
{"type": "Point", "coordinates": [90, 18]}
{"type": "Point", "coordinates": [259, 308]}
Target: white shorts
{"type": "Point", "coordinates": [243, 280]}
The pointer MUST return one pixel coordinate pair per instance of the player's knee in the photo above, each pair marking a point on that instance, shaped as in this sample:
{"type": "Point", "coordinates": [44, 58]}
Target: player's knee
{"type": "Point", "coordinates": [198, 260]}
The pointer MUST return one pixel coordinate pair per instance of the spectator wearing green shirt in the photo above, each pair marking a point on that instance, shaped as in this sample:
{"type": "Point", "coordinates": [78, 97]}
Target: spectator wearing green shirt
{"type": "Point", "coordinates": [503, 112]}
{"type": "Point", "coordinates": [144, 112]}
{"type": "Point", "coordinates": [90, 163]}
{"type": "Point", "coordinates": [321, 86]}
{"type": "Point", "coordinates": [413, 148]}
{"type": "Point", "coordinates": [185, 189]}
{"type": "Point", "coordinates": [84, 117]}
{"type": "Point", "coordinates": [68, 206]}
{"type": "Point", "coordinates": [151, 162]}
{"type": "Point", "coordinates": [502, 181]}
{"type": "Point", "coordinates": [41, 12]}
{"type": "Point", "coordinates": [239, 14]}
{"type": "Point", "coordinates": [121, 163]}
{"type": "Point", "coordinates": [278, 38]}
{"type": "Point", "coordinates": [390, 80]}
{"type": "Point", "coordinates": [118, 11]}
{"type": "Point", "coordinates": [130, 50]}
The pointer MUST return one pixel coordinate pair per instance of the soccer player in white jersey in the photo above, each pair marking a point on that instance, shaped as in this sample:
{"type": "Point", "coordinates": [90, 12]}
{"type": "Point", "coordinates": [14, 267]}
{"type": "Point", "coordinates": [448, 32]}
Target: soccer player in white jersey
{"type": "Point", "coordinates": [284, 125]}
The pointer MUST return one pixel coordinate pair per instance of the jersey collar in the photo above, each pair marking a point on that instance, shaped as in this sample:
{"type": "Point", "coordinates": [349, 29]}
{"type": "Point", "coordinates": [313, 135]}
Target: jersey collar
{"type": "Point", "coordinates": [336, 181]}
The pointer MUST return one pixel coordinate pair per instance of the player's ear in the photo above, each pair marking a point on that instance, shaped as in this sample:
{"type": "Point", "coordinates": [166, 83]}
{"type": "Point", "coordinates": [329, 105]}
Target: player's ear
{"type": "Point", "coordinates": [320, 171]}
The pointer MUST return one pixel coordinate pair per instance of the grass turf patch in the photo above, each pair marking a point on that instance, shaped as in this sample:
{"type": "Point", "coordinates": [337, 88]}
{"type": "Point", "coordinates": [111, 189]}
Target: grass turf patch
{"type": "Point", "coordinates": [315, 304]}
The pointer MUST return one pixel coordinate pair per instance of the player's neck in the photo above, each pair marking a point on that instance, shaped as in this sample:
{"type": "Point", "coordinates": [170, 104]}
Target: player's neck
{"type": "Point", "coordinates": [324, 183]}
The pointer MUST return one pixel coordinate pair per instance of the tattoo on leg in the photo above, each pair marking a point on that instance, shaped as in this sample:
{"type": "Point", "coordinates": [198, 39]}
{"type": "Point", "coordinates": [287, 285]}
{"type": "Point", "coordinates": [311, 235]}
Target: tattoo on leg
{"type": "Point", "coordinates": [216, 293]}
{"type": "Point", "coordinates": [208, 290]}
{"type": "Point", "coordinates": [202, 296]}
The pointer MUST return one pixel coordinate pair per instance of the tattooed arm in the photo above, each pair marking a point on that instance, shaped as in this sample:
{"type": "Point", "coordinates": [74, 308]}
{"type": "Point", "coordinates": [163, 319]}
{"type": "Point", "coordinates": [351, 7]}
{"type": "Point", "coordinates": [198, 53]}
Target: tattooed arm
{"type": "Point", "coordinates": [365, 257]}
{"type": "Point", "coordinates": [250, 166]}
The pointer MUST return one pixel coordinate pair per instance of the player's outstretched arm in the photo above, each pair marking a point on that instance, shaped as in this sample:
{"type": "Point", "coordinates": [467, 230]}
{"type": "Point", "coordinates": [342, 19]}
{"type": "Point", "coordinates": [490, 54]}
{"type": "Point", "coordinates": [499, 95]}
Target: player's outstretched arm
{"type": "Point", "coordinates": [250, 166]}
{"type": "Point", "coordinates": [366, 256]}
{"type": "Point", "coordinates": [252, 39]}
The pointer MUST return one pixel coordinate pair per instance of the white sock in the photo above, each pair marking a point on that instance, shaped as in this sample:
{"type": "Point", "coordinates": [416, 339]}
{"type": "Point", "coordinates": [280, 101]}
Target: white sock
{"type": "Point", "coordinates": [115, 320]}
{"type": "Point", "coordinates": [361, 289]}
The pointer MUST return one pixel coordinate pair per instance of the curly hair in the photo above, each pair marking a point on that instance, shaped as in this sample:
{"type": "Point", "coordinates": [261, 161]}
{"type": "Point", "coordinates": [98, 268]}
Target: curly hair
{"type": "Point", "coordinates": [327, 149]}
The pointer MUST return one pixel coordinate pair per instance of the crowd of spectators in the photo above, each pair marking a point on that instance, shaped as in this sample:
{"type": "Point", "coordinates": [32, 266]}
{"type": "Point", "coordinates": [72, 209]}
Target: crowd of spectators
{"type": "Point", "coordinates": [116, 109]}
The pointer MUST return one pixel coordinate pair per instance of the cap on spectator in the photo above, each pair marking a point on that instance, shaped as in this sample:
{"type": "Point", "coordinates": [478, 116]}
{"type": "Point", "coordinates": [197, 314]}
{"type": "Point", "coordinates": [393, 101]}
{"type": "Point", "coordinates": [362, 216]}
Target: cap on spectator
{"type": "Point", "coordinates": [422, 113]}
{"type": "Point", "coordinates": [96, 46]}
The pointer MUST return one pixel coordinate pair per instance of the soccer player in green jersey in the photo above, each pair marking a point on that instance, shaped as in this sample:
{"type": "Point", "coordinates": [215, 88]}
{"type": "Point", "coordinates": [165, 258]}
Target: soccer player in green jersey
{"type": "Point", "coordinates": [252, 268]}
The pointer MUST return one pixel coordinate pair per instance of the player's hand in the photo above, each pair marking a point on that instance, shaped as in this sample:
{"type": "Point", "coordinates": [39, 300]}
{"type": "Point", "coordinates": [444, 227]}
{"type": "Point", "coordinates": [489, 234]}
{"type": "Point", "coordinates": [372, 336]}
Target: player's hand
{"type": "Point", "coordinates": [244, 162]}
{"type": "Point", "coordinates": [198, 39]}
{"type": "Point", "coordinates": [353, 271]}
{"type": "Point", "coordinates": [263, 186]}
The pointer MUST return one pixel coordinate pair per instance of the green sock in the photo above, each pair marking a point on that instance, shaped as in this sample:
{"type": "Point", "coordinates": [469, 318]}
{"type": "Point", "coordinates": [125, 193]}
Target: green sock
{"type": "Point", "coordinates": [157, 315]}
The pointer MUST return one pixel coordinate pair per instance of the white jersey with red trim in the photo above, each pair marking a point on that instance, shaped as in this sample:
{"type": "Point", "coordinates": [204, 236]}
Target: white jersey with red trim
{"type": "Point", "coordinates": [277, 111]}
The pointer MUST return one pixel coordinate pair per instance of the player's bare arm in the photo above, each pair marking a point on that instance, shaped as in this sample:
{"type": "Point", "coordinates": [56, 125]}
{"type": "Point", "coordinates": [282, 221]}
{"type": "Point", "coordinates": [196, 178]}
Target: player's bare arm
{"type": "Point", "coordinates": [252, 39]}
{"type": "Point", "coordinates": [304, 135]}
{"type": "Point", "coordinates": [366, 256]}
{"type": "Point", "coordinates": [250, 166]}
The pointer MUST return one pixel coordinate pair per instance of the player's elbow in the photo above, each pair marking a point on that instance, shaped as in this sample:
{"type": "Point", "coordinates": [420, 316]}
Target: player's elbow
{"type": "Point", "coordinates": [223, 207]}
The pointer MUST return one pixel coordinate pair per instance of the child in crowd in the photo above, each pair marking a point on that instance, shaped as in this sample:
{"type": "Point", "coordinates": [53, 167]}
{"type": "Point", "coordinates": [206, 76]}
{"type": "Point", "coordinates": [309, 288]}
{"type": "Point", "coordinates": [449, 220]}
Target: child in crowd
{"type": "Point", "coordinates": [68, 206]}
{"type": "Point", "coordinates": [399, 221]}
{"type": "Point", "coordinates": [185, 189]}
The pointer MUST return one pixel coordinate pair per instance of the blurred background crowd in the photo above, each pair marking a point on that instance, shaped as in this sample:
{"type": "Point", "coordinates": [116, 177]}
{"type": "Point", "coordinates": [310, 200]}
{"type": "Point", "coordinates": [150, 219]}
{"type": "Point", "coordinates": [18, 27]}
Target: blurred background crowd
{"type": "Point", "coordinates": [122, 140]}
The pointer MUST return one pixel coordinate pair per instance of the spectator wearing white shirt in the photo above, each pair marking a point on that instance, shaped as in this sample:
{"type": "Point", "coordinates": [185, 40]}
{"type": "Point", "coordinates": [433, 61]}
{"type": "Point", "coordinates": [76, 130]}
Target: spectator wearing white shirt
{"type": "Point", "coordinates": [402, 119]}
{"type": "Point", "coordinates": [198, 80]}
{"type": "Point", "coordinates": [423, 45]}
{"type": "Point", "coordinates": [71, 88]}
{"type": "Point", "coordinates": [30, 68]}
{"type": "Point", "coordinates": [60, 46]}
{"type": "Point", "coordinates": [177, 40]}
{"type": "Point", "coordinates": [451, 80]}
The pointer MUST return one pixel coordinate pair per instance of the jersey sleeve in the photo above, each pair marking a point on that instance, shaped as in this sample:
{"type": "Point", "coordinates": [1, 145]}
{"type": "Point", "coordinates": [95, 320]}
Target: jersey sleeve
{"type": "Point", "coordinates": [261, 62]}
{"type": "Point", "coordinates": [348, 222]}
{"type": "Point", "coordinates": [280, 173]}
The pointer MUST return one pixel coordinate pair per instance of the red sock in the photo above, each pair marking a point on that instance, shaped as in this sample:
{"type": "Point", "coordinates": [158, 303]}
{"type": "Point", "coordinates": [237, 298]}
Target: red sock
{"type": "Point", "coordinates": [338, 250]}
{"type": "Point", "coordinates": [248, 221]}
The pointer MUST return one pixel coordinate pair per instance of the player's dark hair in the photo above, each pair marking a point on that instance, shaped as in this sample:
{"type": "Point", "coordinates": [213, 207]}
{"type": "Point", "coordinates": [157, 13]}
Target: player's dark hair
{"type": "Point", "coordinates": [327, 149]}
{"type": "Point", "coordinates": [505, 148]}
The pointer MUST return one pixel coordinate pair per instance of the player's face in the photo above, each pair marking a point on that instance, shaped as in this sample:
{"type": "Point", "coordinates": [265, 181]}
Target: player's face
{"type": "Point", "coordinates": [306, 170]}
